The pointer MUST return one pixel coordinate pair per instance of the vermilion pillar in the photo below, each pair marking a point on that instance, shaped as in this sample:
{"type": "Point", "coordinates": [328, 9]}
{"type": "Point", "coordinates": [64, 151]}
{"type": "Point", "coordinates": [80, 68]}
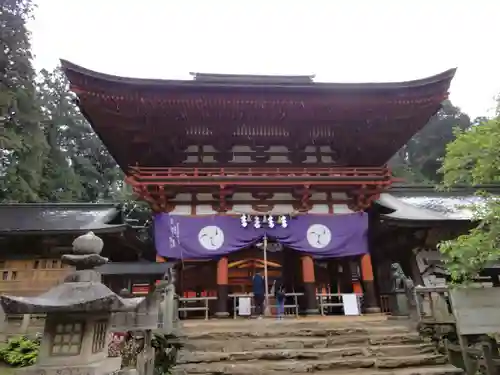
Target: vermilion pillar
{"type": "Point", "coordinates": [370, 297]}
{"type": "Point", "coordinates": [222, 288]}
{"type": "Point", "coordinates": [309, 285]}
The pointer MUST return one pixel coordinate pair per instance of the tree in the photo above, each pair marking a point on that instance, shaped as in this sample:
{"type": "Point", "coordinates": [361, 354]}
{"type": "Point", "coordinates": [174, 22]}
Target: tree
{"type": "Point", "coordinates": [420, 159]}
{"type": "Point", "coordinates": [48, 152]}
{"type": "Point", "coordinates": [60, 182]}
{"type": "Point", "coordinates": [474, 158]}
{"type": "Point", "coordinates": [22, 142]}
{"type": "Point", "coordinates": [78, 168]}
{"type": "Point", "coordinates": [100, 175]}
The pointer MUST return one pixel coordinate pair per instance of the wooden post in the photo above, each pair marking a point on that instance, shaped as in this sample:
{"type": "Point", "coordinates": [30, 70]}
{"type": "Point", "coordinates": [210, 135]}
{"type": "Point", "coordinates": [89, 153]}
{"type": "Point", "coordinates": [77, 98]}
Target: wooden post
{"type": "Point", "coordinates": [371, 303]}
{"type": "Point", "coordinates": [267, 308]}
{"type": "Point", "coordinates": [309, 281]}
{"type": "Point", "coordinates": [222, 288]}
{"type": "Point", "coordinates": [25, 323]}
{"type": "Point", "coordinates": [490, 355]}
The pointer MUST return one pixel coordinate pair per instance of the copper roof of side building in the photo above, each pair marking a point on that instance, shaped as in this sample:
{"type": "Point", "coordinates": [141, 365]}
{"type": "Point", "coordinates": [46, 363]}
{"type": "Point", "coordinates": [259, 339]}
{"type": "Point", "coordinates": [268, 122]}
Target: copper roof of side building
{"type": "Point", "coordinates": [148, 122]}
{"type": "Point", "coordinates": [58, 218]}
{"type": "Point", "coordinates": [423, 204]}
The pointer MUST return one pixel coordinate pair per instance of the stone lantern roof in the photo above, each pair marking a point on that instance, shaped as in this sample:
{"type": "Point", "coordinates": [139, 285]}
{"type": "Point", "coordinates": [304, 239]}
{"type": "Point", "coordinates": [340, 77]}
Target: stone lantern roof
{"type": "Point", "coordinates": [71, 297]}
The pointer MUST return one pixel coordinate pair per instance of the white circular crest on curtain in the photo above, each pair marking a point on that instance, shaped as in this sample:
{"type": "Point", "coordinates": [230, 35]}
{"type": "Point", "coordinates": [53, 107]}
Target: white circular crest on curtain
{"type": "Point", "coordinates": [319, 236]}
{"type": "Point", "coordinates": [211, 237]}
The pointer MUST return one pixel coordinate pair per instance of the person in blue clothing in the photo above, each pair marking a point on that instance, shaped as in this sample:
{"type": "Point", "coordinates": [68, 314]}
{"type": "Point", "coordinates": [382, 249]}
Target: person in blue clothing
{"type": "Point", "coordinates": [259, 290]}
{"type": "Point", "coordinates": [279, 295]}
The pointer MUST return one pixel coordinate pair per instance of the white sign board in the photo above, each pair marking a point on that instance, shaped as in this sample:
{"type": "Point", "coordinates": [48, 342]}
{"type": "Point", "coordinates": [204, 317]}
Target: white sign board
{"type": "Point", "coordinates": [351, 304]}
{"type": "Point", "coordinates": [244, 306]}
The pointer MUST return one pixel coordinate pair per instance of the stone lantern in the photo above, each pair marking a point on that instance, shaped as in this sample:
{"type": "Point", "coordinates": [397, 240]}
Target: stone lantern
{"type": "Point", "coordinates": [79, 315]}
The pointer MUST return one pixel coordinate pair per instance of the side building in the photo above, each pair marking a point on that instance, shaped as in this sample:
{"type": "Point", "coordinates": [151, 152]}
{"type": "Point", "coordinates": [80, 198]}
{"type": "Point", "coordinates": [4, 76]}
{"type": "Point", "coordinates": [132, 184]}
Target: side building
{"type": "Point", "coordinates": [33, 237]}
{"type": "Point", "coordinates": [412, 220]}
{"type": "Point", "coordinates": [228, 162]}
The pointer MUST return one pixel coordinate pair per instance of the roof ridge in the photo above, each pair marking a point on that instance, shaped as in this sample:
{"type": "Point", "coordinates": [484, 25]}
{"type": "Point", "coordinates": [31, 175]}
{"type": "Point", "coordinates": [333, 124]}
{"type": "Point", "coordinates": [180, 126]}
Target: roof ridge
{"type": "Point", "coordinates": [70, 67]}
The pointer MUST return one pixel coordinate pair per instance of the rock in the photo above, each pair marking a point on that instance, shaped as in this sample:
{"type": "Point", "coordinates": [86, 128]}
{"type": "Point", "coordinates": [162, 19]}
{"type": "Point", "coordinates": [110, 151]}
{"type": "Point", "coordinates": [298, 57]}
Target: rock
{"type": "Point", "coordinates": [361, 347]}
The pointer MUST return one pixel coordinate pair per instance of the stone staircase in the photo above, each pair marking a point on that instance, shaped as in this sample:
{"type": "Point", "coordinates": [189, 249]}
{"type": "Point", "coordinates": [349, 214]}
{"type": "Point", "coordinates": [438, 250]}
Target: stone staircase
{"type": "Point", "coordinates": [341, 346]}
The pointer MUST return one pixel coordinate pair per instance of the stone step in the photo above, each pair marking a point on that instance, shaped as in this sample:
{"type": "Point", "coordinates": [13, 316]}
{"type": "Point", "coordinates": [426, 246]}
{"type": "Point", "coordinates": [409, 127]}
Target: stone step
{"type": "Point", "coordinates": [265, 367]}
{"type": "Point", "coordinates": [290, 324]}
{"type": "Point", "coordinates": [291, 342]}
{"type": "Point", "coordinates": [435, 370]}
{"type": "Point", "coordinates": [305, 354]}
{"type": "Point", "coordinates": [369, 320]}
{"type": "Point", "coordinates": [284, 331]}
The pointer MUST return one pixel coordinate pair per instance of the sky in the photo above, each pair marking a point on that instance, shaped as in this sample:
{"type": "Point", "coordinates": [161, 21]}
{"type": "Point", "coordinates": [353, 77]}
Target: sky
{"type": "Point", "coordinates": [338, 40]}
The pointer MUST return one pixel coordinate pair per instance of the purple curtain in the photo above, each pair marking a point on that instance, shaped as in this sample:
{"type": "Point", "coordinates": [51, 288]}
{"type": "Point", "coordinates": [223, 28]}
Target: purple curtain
{"type": "Point", "coordinates": [323, 236]}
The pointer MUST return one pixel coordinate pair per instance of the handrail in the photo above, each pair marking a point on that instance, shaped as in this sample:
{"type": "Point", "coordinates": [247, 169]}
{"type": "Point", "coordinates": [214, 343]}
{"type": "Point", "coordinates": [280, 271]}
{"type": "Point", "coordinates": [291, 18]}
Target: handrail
{"type": "Point", "coordinates": [219, 172]}
{"type": "Point", "coordinates": [294, 306]}
{"type": "Point", "coordinates": [335, 294]}
{"type": "Point", "coordinates": [254, 169]}
{"type": "Point", "coordinates": [188, 299]}
{"type": "Point", "coordinates": [205, 307]}
{"type": "Point", "coordinates": [322, 305]}
{"type": "Point", "coordinates": [427, 301]}
{"type": "Point", "coordinates": [235, 295]}
{"type": "Point", "coordinates": [432, 289]}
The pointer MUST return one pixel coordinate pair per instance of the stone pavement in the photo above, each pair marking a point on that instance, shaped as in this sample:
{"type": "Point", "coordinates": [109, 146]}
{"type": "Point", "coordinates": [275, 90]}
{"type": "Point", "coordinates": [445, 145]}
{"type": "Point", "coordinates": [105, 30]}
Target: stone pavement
{"type": "Point", "coordinates": [327, 345]}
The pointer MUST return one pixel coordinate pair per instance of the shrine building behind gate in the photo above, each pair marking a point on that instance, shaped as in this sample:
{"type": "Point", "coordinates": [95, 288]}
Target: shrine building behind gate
{"type": "Point", "coordinates": [224, 160]}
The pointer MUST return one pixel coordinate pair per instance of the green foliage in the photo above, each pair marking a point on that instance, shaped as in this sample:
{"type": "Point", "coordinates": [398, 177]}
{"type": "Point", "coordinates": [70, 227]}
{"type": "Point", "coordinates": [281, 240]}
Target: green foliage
{"type": "Point", "coordinates": [60, 182]}
{"type": "Point", "coordinates": [467, 255]}
{"type": "Point", "coordinates": [419, 160]}
{"type": "Point", "coordinates": [166, 350]}
{"type": "Point", "coordinates": [22, 143]}
{"type": "Point", "coordinates": [474, 158]}
{"type": "Point", "coordinates": [20, 352]}
{"type": "Point", "coordinates": [48, 151]}
{"type": "Point", "coordinates": [78, 166]}
{"type": "Point", "coordinates": [129, 351]}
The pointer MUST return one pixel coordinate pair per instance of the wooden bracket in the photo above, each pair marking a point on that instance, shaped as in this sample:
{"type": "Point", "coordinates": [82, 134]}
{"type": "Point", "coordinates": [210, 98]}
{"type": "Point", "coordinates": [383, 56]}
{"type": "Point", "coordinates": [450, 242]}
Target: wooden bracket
{"type": "Point", "coordinates": [223, 204]}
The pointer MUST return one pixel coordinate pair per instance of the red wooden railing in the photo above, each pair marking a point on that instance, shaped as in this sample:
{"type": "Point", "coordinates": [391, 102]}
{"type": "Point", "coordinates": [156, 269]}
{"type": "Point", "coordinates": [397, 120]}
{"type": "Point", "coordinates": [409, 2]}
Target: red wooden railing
{"type": "Point", "coordinates": [250, 170]}
{"type": "Point", "coordinates": [201, 176]}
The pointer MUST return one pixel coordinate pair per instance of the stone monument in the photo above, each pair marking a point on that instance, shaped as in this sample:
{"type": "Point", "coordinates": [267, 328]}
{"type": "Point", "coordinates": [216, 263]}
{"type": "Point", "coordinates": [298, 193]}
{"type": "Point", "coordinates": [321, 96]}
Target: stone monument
{"type": "Point", "coordinates": [79, 315]}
